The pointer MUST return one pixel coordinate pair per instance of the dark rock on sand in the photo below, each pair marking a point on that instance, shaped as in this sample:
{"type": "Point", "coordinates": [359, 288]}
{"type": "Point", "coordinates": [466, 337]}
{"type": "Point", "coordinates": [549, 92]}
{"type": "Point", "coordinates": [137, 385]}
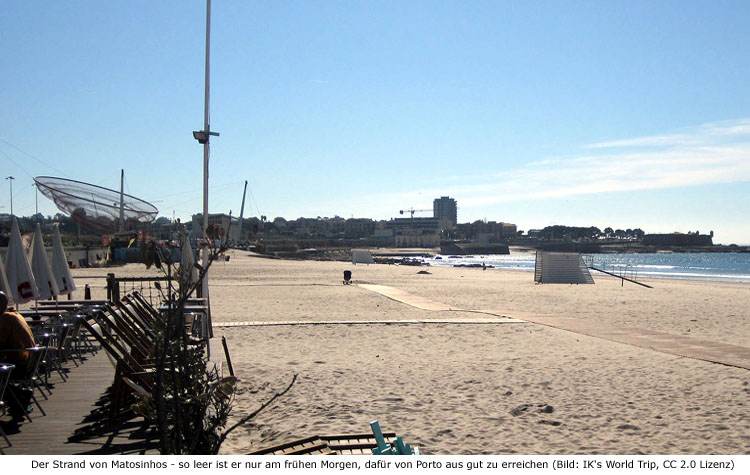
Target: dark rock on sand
{"type": "Point", "coordinates": [519, 410]}
{"type": "Point", "coordinates": [524, 408]}
{"type": "Point", "coordinates": [550, 423]}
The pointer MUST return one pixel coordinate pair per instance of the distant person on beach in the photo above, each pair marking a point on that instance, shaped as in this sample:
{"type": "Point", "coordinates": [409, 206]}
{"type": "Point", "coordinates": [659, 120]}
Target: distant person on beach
{"type": "Point", "coordinates": [15, 338]}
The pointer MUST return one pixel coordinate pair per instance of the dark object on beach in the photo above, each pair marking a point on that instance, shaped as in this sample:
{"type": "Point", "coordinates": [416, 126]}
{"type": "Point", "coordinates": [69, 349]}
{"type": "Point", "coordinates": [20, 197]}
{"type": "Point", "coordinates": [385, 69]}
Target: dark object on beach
{"type": "Point", "coordinates": [424, 272]}
{"type": "Point", "coordinates": [347, 277]}
{"type": "Point", "coordinates": [550, 423]}
{"type": "Point", "coordinates": [524, 408]}
{"type": "Point", "coordinates": [408, 261]}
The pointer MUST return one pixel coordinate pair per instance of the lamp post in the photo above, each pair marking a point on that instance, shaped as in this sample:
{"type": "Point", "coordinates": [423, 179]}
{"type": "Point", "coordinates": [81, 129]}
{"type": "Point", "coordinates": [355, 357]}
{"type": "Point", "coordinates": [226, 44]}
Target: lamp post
{"type": "Point", "coordinates": [203, 138]}
{"type": "Point", "coordinates": [10, 180]}
{"type": "Point", "coordinates": [36, 198]}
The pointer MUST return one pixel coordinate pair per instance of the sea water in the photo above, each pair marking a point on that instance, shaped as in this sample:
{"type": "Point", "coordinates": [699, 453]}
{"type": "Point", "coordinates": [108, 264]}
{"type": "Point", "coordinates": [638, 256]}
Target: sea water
{"type": "Point", "coordinates": [725, 266]}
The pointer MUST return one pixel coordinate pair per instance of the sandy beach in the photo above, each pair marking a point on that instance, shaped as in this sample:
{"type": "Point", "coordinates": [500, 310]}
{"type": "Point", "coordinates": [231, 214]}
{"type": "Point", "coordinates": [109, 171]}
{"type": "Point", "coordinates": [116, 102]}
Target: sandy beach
{"type": "Point", "coordinates": [479, 388]}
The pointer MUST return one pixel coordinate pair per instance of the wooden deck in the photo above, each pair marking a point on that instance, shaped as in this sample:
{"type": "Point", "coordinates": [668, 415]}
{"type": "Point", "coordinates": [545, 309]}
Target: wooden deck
{"type": "Point", "coordinates": [75, 412]}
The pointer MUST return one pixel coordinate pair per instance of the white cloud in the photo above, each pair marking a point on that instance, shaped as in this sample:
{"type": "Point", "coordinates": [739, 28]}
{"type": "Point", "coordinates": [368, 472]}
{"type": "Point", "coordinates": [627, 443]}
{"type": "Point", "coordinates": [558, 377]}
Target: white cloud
{"type": "Point", "coordinates": [708, 154]}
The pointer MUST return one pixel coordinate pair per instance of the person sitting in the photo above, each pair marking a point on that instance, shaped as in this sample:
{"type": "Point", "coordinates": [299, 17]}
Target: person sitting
{"type": "Point", "coordinates": [15, 338]}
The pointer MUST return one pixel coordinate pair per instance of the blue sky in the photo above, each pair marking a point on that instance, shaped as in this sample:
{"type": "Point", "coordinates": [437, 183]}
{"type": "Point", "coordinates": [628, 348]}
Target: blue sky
{"type": "Point", "coordinates": [616, 113]}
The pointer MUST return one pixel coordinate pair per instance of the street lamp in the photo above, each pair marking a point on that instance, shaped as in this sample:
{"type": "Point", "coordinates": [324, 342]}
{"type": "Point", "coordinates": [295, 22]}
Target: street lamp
{"type": "Point", "coordinates": [10, 180]}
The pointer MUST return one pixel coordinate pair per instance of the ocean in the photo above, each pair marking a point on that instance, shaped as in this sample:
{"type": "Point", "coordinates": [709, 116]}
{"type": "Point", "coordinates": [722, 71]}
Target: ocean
{"type": "Point", "coordinates": [734, 267]}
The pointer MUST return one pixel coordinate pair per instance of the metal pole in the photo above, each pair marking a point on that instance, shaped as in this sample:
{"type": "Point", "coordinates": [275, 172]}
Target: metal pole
{"type": "Point", "coordinates": [242, 211]}
{"type": "Point", "coordinates": [10, 180]}
{"type": "Point", "coordinates": [122, 200]}
{"type": "Point", "coordinates": [207, 130]}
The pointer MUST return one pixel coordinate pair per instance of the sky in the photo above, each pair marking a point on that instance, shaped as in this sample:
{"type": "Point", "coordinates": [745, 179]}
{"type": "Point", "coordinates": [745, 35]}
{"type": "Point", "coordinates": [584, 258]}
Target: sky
{"type": "Point", "coordinates": [607, 113]}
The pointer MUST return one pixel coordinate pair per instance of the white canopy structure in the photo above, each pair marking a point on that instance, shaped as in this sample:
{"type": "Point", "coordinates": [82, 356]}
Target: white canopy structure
{"type": "Point", "coordinates": [362, 256]}
{"type": "Point", "coordinates": [4, 286]}
{"type": "Point", "coordinates": [561, 268]}
{"type": "Point", "coordinates": [45, 279]}
{"type": "Point", "coordinates": [188, 272]}
{"type": "Point", "coordinates": [17, 268]}
{"type": "Point", "coordinates": [60, 269]}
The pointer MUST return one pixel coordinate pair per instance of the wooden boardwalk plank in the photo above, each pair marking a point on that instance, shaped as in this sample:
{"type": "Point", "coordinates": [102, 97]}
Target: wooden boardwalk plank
{"type": "Point", "coordinates": [70, 403]}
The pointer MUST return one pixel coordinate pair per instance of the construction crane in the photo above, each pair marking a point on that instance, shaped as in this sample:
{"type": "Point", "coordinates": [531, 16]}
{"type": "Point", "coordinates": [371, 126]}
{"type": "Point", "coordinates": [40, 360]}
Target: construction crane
{"type": "Point", "coordinates": [411, 211]}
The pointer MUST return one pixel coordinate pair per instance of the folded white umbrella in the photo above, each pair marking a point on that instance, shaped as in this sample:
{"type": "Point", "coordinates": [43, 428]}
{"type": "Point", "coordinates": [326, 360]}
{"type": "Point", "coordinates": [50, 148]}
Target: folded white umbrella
{"type": "Point", "coordinates": [45, 279]}
{"type": "Point", "coordinates": [188, 272]}
{"type": "Point", "coordinates": [63, 277]}
{"type": "Point", "coordinates": [17, 268]}
{"type": "Point", "coordinates": [4, 286]}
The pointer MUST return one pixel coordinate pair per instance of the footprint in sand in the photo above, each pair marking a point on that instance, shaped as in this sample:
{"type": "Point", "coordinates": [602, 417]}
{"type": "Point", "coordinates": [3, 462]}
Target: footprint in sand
{"type": "Point", "coordinates": [628, 427]}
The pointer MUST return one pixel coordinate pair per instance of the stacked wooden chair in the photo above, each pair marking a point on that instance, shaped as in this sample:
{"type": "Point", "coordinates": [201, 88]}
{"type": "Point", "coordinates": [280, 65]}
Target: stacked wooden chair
{"type": "Point", "coordinates": [128, 331]}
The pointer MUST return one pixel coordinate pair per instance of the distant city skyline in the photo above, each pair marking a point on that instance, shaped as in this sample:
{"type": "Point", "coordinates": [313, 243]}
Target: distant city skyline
{"type": "Point", "coordinates": [613, 114]}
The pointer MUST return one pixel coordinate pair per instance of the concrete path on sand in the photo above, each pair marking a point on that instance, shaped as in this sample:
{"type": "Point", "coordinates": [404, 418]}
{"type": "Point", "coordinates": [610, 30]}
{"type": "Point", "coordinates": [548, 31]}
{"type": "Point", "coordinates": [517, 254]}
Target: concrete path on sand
{"type": "Point", "coordinates": [421, 321]}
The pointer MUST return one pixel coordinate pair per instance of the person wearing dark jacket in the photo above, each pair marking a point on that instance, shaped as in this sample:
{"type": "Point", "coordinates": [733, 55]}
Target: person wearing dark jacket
{"type": "Point", "coordinates": [15, 339]}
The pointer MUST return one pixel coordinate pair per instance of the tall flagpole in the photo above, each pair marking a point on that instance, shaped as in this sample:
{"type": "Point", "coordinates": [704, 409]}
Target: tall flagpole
{"type": "Point", "coordinates": [207, 131]}
{"type": "Point", "coordinates": [203, 137]}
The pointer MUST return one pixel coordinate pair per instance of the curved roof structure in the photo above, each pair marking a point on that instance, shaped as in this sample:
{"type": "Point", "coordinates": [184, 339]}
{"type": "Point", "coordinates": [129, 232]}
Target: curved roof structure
{"type": "Point", "coordinates": [92, 204]}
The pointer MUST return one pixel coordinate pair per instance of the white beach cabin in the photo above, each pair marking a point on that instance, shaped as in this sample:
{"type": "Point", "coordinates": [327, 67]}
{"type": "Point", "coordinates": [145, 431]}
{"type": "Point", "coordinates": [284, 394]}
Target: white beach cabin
{"type": "Point", "coordinates": [362, 256]}
{"type": "Point", "coordinates": [561, 268]}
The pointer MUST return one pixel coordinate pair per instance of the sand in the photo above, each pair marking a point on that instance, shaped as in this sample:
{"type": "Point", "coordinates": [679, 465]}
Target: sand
{"type": "Point", "coordinates": [511, 388]}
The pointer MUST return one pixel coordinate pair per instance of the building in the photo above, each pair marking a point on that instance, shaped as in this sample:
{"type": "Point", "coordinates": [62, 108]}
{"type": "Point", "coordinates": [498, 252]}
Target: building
{"type": "Point", "coordinates": [445, 210]}
{"type": "Point", "coordinates": [221, 223]}
{"type": "Point", "coordinates": [356, 228]}
{"type": "Point", "coordinates": [486, 231]}
{"type": "Point", "coordinates": [415, 232]}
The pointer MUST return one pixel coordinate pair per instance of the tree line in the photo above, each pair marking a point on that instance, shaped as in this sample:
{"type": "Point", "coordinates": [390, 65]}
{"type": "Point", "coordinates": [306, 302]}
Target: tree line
{"type": "Point", "coordinates": [591, 232]}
